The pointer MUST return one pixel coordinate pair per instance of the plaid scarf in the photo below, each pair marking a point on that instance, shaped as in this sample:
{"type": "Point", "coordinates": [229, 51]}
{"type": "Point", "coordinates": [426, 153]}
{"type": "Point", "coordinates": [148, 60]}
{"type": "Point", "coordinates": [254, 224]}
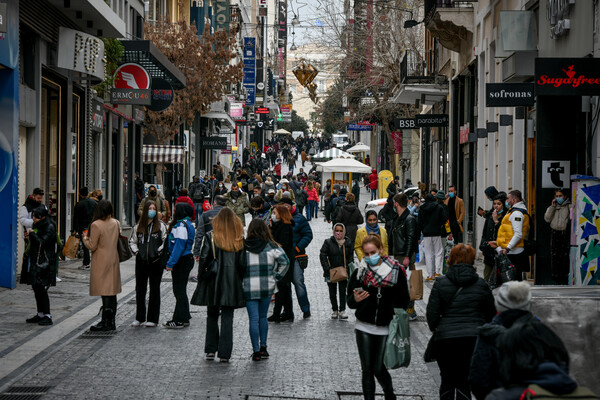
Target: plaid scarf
{"type": "Point", "coordinates": [385, 275]}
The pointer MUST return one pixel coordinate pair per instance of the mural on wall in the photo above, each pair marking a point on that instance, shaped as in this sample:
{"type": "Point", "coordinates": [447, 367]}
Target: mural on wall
{"type": "Point", "coordinates": [585, 237]}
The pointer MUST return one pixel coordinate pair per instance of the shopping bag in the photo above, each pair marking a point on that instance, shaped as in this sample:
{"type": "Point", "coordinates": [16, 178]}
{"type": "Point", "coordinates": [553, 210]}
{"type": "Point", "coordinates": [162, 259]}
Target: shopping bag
{"type": "Point", "coordinates": [447, 249]}
{"type": "Point", "coordinates": [415, 283]}
{"type": "Point", "coordinates": [71, 247]}
{"type": "Point", "coordinates": [506, 268]}
{"type": "Point", "coordinates": [206, 205]}
{"type": "Point", "coordinates": [397, 346]}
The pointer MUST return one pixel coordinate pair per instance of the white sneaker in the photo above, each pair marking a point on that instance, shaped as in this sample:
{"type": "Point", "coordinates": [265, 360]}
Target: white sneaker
{"type": "Point", "coordinates": [150, 325]}
{"type": "Point", "coordinates": [334, 315]}
{"type": "Point", "coordinates": [343, 315]}
{"type": "Point", "coordinates": [58, 279]}
{"type": "Point", "coordinates": [136, 323]}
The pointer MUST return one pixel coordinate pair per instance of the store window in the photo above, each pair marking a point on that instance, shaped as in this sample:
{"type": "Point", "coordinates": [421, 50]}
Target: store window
{"type": "Point", "coordinates": [50, 144]}
{"type": "Point", "coordinates": [126, 203]}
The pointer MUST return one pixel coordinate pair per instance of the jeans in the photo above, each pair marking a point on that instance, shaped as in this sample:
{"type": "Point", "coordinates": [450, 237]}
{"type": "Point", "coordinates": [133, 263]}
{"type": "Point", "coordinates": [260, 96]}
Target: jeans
{"type": "Point", "coordinates": [333, 289]}
{"type": "Point", "coordinates": [259, 326]}
{"type": "Point", "coordinates": [311, 211]}
{"type": "Point", "coordinates": [199, 209]}
{"type": "Point", "coordinates": [301, 294]}
{"type": "Point", "coordinates": [300, 209]}
{"type": "Point", "coordinates": [215, 341]}
{"type": "Point", "coordinates": [145, 272]}
{"type": "Point", "coordinates": [371, 349]}
{"type": "Point", "coordinates": [373, 194]}
{"type": "Point", "coordinates": [42, 301]}
{"type": "Point", "coordinates": [180, 275]}
{"type": "Point", "coordinates": [454, 359]}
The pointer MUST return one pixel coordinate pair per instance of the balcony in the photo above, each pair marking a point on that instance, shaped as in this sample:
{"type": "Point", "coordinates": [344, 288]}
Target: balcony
{"type": "Point", "coordinates": [95, 16]}
{"type": "Point", "coordinates": [417, 83]}
{"type": "Point", "coordinates": [450, 21]}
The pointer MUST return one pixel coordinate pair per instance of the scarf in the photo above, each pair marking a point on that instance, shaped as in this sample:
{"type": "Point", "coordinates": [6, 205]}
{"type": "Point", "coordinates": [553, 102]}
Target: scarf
{"type": "Point", "coordinates": [340, 242]}
{"type": "Point", "coordinates": [383, 275]}
{"type": "Point", "coordinates": [375, 230]}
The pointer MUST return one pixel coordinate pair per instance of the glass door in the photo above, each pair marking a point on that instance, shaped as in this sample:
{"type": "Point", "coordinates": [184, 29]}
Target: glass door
{"type": "Point", "coordinates": [50, 144]}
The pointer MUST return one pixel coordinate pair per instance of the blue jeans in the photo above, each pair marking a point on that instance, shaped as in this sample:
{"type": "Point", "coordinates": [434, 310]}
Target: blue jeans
{"type": "Point", "coordinates": [259, 327]}
{"type": "Point", "coordinates": [310, 209]}
{"type": "Point", "coordinates": [373, 194]}
{"type": "Point", "coordinates": [199, 209]}
{"type": "Point", "coordinates": [301, 293]}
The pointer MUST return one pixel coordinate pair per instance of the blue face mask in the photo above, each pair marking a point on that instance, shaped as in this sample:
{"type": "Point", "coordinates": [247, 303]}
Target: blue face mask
{"type": "Point", "coordinates": [334, 190]}
{"type": "Point", "coordinates": [451, 195]}
{"type": "Point", "coordinates": [151, 214]}
{"type": "Point", "coordinates": [507, 204]}
{"type": "Point", "coordinates": [372, 260]}
{"type": "Point", "coordinates": [560, 200]}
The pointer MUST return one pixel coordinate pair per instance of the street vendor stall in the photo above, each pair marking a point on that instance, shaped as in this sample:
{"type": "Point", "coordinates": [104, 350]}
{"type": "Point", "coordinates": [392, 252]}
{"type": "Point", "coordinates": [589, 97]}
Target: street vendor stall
{"type": "Point", "coordinates": [342, 165]}
{"type": "Point", "coordinates": [330, 154]}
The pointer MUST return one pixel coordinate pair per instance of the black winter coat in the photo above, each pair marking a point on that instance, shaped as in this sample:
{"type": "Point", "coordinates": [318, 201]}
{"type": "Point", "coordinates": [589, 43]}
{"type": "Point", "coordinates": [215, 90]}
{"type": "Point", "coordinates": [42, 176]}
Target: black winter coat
{"type": "Point", "coordinates": [301, 197]}
{"type": "Point", "coordinates": [432, 217]}
{"type": "Point", "coordinates": [226, 288]}
{"type": "Point", "coordinates": [351, 217]}
{"type": "Point", "coordinates": [42, 247]}
{"type": "Point", "coordinates": [472, 307]}
{"type": "Point", "coordinates": [374, 310]}
{"type": "Point", "coordinates": [331, 255]}
{"type": "Point", "coordinates": [83, 214]}
{"type": "Point", "coordinates": [404, 241]}
{"type": "Point", "coordinates": [489, 233]}
{"type": "Point", "coordinates": [284, 236]}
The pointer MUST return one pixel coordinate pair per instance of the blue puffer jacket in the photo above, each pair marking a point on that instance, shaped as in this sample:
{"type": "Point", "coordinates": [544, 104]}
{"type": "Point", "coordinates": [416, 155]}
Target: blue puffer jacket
{"type": "Point", "coordinates": [181, 241]}
{"type": "Point", "coordinates": [303, 234]}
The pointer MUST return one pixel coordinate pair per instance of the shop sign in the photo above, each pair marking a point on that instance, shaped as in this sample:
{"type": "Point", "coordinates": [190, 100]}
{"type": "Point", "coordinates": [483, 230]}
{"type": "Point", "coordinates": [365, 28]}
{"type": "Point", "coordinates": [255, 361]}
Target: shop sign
{"type": "Point", "coordinates": [97, 124]}
{"type": "Point", "coordinates": [567, 76]}
{"type": "Point", "coordinates": [359, 127]}
{"type": "Point", "coordinates": [509, 94]}
{"type": "Point", "coordinates": [140, 97]}
{"type": "Point", "coordinates": [131, 76]}
{"type": "Point", "coordinates": [213, 143]}
{"type": "Point", "coordinates": [3, 18]}
{"type": "Point", "coordinates": [262, 110]}
{"type": "Point", "coordinates": [397, 137]}
{"type": "Point", "coordinates": [236, 110]}
{"type": "Point", "coordinates": [463, 133]}
{"type": "Point", "coordinates": [222, 15]}
{"type": "Point", "coordinates": [262, 3]}
{"type": "Point", "coordinates": [78, 51]}
{"type": "Point", "coordinates": [282, 19]}
{"type": "Point", "coordinates": [139, 114]}
{"type": "Point", "coordinates": [431, 120]}
{"type": "Point", "coordinates": [555, 174]}
{"type": "Point", "coordinates": [406, 123]}
{"type": "Point", "coordinates": [162, 94]}
{"type": "Point", "coordinates": [249, 81]}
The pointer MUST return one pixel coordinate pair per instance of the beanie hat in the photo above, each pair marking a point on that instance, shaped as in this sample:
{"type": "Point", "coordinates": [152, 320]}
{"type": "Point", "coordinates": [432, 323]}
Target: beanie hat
{"type": "Point", "coordinates": [491, 192]}
{"type": "Point", "coordinates": [513, 296]}
{"type": "Point", "coordinates": [440, 195]}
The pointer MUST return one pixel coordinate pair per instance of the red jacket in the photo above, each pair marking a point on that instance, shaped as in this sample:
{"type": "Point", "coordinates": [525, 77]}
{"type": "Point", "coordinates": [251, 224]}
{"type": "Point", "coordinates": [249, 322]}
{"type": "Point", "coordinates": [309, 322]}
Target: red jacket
{"type": "Point", "coordinates": [373, 178]}
{"type": "Point", "coordinates": [186, 199]}
{"type": "Point", "coordinates": [277, 169]}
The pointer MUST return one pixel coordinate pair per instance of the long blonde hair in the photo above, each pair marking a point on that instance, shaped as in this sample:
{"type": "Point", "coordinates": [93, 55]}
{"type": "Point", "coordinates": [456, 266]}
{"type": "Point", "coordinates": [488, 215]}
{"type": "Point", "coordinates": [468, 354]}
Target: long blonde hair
{"type": "Point", "coordinates": [228, 231]}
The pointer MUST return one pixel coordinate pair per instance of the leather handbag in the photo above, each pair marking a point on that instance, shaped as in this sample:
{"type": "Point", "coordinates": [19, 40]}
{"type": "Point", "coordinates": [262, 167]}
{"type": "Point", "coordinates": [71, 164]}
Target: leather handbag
{"type": "Point", "coordinates": [39, 272]}
{"type": "Point", "coordinates": [123, 249]}
{"type": "Point", "coordinates": [429, 355]}
{"type": "Point", "coordinates": [210, 270]}
{"type": "Point", "coordinates": [339, 274]}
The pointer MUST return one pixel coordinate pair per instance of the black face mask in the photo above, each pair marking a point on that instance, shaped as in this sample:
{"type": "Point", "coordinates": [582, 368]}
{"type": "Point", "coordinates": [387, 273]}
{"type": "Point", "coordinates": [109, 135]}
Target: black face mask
{"type": "Point", "coordinates": [152, 193]}
{"type": "Point", "coordinates": [100, 197]}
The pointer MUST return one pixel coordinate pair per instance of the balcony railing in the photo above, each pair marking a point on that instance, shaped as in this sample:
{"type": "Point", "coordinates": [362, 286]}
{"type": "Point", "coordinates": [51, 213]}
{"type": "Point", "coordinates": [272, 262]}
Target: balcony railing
{"type": "Point", "coordinates": [432, 5]}
{"type": "Point", "coordinates": [413, 69]}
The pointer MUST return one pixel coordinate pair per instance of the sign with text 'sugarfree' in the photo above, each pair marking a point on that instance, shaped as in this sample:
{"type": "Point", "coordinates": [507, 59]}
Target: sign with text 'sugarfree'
{"type": "Point", "coordinates": [509, 94]}
{"type": "Point", "coordinates": [567, 76]}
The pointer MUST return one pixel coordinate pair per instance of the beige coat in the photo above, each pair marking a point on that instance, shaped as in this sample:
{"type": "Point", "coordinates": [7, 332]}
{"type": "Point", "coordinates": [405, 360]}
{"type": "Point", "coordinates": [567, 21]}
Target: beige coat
{"type": "Point", "coordinates": [558, 217]}
{"type": "Point", "coordinates": [105, 271]}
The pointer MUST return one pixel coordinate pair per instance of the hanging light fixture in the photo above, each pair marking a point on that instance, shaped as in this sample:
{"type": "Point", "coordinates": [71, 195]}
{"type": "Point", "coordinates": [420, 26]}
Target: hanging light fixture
{"type": "Point", "coordinates": [293, 46]}
{"type": "Point", "coordinates": [295, 20]}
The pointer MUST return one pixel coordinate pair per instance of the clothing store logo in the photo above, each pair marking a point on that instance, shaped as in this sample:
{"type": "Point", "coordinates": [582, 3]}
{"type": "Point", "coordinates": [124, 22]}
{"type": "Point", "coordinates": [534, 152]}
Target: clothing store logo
{"type": "Point", "coordinates": [569, 80]}
{"type": "Point", "coordinates": [567, 76]}
{"type": "Point", "coordinates": [556, 174]}
{"type": "Point", "coordinates": [509, 94]}
{"type": "Point", "coordinates": [132, 76]}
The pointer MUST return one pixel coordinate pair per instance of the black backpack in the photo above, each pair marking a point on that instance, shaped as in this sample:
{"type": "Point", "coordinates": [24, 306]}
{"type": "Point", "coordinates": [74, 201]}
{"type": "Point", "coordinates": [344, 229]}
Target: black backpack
{"type": "Point", "coordinates": [198, 193]}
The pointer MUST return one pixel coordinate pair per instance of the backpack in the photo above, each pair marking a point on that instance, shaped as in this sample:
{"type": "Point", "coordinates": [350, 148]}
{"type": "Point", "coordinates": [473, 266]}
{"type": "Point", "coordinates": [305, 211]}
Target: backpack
{"type": "Point", "coordinates": [529, 245]}
{"type": "Point", "coordinates": [198, 193]}
{"type": "Point", "coordinates": [536, 392]}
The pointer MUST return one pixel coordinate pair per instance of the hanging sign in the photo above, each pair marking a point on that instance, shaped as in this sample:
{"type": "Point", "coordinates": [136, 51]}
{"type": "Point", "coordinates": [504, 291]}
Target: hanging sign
{"type": "Point", "coordinates": [132, 76]}
{"type": "Point", "coordinates": [509, 94]}
{"type": "Point", "coordinates": [463, 133]}
{"type": "Point", "coordinates": [359, 127]}
{"type": "Point", "coordinates": [397, 136]}
{"type": "Point", "coordinates": [556, 174]}
{"type": "Point", "coordinates": [405, 123]}
{"type": "Point", "coordinates": [431, 120]}
{"type": "Point", "coordinates": [140, 97]}
{"type": "Point", "coordinates": [162, 94]}
{"type": "Point", "coordinates": [567, 76]}
{"type": "Point", "coordinates": [78, 51]}
{"type": "Point", "coordinates": [213, 143]}
{"type": "Point", "coordinates": [222, 15]}
{"type": "Point", "coordinates": [97, 123]}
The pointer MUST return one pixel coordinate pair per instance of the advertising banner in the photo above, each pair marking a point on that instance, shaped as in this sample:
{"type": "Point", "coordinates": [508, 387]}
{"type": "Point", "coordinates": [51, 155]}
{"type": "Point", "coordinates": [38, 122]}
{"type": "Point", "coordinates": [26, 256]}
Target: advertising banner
{"type": "Point", "coordinates": [236, 110]}
{"type": "Point", "coordinates": [567, 76]}
{"type": "Point", "coordinates": [249, 81]}
{"type": "Point", "coordinates": [222, 15]}
{"type": "Point", "coordinates": [509, 94]}
{"type": "Point", "coordinates": [162, 94]}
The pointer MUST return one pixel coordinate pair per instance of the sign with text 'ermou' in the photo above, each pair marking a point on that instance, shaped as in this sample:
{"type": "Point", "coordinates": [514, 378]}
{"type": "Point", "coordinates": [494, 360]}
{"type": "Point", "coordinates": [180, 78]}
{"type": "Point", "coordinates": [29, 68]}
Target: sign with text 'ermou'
{"type": "Point", "coordinates": [509, 94]}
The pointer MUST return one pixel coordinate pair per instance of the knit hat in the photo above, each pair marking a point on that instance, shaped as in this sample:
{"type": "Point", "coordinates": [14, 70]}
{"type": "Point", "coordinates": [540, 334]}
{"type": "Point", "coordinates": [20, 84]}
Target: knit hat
{"type": "Point", "coordinates": [491, 192]}
{"type": "Point", "coordinates": [336, 187]}
{"type": "Point", "coordinates": [513, 296]}
{"type": "Point", "coordinates": [440, 195]}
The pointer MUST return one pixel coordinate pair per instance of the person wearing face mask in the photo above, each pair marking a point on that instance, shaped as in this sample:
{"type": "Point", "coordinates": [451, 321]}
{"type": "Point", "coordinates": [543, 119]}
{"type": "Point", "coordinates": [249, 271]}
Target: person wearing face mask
{"type": "Point", "coordinates": [456, 214]}
{"type": "Point", "coordinates": [490, 233]}
{"type": "Point", "coordinates": [490, 194]}
{"type": "Point", "coordinates": [238, 202]}
{"type": "Point", "coordinates": [371, 228]}
{"type": "Point", "coordinates": [330, 206]}
{"type": "Point", "coordinates": [285, 187]}
{"type": "Point", "coordinates": [160, 205]}
{"type": "Point", "coordinates": [558, 215]}
{"type": "Point", "coordinates": [376, 287]}
{"type": "Point", "coordinates": [514, 229]}
{"type": "Point", "coordinates": [336, 252]}
{"type": "Point", "coordinates": [146, 243]}
{"type": "Point", "coordinates": [82, 218]}
{"type": "Point", "coordinates": [350, 216]}
{"type": "Point", "coordinates": [32, 202]}
{"type": "Point", "coordinates": [220, 190]}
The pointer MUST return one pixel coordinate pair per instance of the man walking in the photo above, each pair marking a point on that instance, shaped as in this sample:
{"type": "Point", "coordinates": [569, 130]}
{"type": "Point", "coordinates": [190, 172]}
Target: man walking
{"type": "Point", "coordinates": [456, 214]}
{"type": "Point", "coordinates": [431, 220]}
{"type": "Point", "coordinates": [82, 218]}
{"type": "Point", "coordinates": [373, 184]}
{"type": "Point", "coordinates": [198, 192]}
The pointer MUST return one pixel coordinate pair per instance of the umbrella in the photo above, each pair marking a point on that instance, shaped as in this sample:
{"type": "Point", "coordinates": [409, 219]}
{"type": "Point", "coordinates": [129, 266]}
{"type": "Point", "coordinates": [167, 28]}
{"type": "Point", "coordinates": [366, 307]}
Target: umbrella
{"type": "Point", "coordinates": [332, 153]}
{"type": "Point", "coordinates": [347, 165]}
{"type": "Point", "coordinates": [282, 132]}
{"type": "Point", "coordinates": [359, 147]}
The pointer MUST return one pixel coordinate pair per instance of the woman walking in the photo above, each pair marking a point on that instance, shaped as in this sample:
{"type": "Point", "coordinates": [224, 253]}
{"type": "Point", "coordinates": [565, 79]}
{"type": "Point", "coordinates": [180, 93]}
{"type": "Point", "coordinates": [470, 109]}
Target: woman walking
{"type": "Point", "coordinates": [105, 271]}
{"type": "Point", "coordinates": [313, 200]}
{"type": "Point", "coordinates": [371, 228]}
{"type": "Point", "coordinates": [282, 228]}
{"type": "Point", "coordinates": [266, 263]}
{"type": "Point", "coordinates": [460, 302]}
{"type": "Point", "coordinates": [490, 234]}
{"type": "Point", "coordinates": [558, 215]}
{"type": "Point", "coordinates": [146, 243]}
{"type": "Point", "coordinates": [222, 293]}
{"type": "Point", "coordinates": [350, 216]}
{"type": "Point", "coordinates": [336, 252]}
{"type": "Point", "coordinates": [181, 235]}
{"type": "Point", "coordinates": [42, 263]}
{"type": "Point", "coordinates": [377, 287]}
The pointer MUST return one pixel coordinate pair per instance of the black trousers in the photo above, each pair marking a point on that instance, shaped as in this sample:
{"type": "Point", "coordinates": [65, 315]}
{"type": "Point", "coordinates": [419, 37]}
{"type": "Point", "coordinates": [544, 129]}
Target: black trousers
{"type": "Point", "coordinates": [457, 234]}
{"type": "Point", "coordinates": [86, 252]}
{"type": "Point", "coordinates": [371, 349]}
{"type": "Point", "coordinates": [283, 299]}
{"type": "Point", "coordinates": [559, 250]}
{"type": "Point", "coordinates": [521, 263]}
{"type": "Point", "coordinates": [454, 360]}
{"type": "Point", "coordinates": [333, 289]}
{"type": "Point", "coordinates": [147, 272]}
{"type": "Point", "coordinates": [219, 341]}
{"type": "Point", "coordinates": [42, 301]}
{"type": "Point", "coordinates": [180, 274]}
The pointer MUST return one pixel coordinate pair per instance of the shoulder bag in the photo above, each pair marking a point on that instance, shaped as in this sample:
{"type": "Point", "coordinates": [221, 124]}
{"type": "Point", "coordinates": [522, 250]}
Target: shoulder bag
{"type": "Point", "coordinates": [40, 271]}
{"type": "Point", "coordinates": [339, 274]}
{"type": "Point", "coordinates": [429, 355]}
{"type": "Point", "coordinates": [123, 248]}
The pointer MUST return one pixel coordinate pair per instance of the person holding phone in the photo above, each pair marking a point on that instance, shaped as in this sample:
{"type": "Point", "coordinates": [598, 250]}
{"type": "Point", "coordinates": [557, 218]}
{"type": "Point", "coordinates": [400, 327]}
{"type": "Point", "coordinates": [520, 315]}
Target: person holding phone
{"type": "Point", "coordinates": [558, 215]}
{"type": "Point", "coordinates": [376, 287]}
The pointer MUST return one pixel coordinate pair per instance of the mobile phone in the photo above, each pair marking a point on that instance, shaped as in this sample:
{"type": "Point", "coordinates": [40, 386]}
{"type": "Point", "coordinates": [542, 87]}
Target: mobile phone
{"type": "Point", "coordinates": [359, 290]}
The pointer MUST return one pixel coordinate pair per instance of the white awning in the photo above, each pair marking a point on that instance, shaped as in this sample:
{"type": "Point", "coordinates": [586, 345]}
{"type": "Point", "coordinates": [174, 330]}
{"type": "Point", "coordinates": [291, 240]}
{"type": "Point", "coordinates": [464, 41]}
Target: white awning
{"type": "Point", "coordinates": [347, 165]}
{"type": "Point", "coordinates": [153, 154]}
{"type": "Point", "coordinates": [359, 147]}
{"type": "Point", "coordinates": [333, 153]}
{"type": "Point", "coordinates": [409, 93]}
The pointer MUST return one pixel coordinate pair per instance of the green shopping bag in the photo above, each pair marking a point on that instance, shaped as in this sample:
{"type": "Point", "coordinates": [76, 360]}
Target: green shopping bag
{"type": "Point", "coordinates": [397, 347]}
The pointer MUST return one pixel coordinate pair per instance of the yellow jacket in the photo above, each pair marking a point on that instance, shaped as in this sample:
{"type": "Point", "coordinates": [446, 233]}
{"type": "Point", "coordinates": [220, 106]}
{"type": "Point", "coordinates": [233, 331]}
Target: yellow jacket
{"type": "Point", "coordinates": [513, 230]}
{"type": "Point", "coordinates": [361, 234]}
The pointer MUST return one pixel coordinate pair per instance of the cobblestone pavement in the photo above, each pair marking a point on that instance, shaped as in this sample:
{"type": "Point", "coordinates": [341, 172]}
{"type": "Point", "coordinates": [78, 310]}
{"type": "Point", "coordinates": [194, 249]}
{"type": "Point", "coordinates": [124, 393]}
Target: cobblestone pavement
{"type": "Point", "coordinates": [312, 358]}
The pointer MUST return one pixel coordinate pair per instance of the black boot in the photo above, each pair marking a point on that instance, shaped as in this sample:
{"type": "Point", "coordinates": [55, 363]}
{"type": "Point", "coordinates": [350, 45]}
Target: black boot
{"type": "Point", "coordinates": [100, 326]}
{"type": "Point", "coordinates": [107, 323]}
{"type": "Point", "coordinates": [110, 319]}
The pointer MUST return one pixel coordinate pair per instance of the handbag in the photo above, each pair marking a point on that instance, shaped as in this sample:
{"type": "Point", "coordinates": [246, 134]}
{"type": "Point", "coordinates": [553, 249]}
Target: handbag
{"type": "Point", "coordinates": [71, 247]}
{"type": "Point", "coordinates": [302, 261]}
{"type": "Point", "coordinates": [397, 345]}
{"type": "Point", "coordinates": [338, 274]}
{"type": "Point", "coordinates": [40, 271]}
{"type": "Point", "coordinates": [210, 270]}
{"type": "Point", "coordinates": [415, 284]}
{"type": "Point", "coordinates": [123, 248]}
{"type": "Point", "coordinates": [506, 268]}
{"type": "Point", "coordinates": [429, 355]}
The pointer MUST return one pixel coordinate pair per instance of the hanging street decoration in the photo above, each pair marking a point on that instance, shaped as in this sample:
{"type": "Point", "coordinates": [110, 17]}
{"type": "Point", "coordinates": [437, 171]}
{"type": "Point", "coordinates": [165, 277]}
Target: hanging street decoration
{"type": "Point", "coordinates": [306, 73]}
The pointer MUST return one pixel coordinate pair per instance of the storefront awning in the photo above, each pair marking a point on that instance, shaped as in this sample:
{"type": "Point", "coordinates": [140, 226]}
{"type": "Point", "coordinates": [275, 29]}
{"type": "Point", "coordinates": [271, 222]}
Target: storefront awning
{"type": "Point", "coordinates": [224, 117]}
{"type": "Point", "coordinates": [409, 93]}
{"type": "Point", "coordinates": [145, 53]}
{"type": "Point", "coordinates": [163, 154]}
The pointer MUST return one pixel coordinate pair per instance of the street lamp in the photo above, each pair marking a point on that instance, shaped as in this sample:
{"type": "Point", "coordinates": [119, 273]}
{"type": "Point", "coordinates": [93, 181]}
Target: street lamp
{"type": "Point", "coordinates": [295, 20]}
{"type": "Point", "coordinates": [411, 23]}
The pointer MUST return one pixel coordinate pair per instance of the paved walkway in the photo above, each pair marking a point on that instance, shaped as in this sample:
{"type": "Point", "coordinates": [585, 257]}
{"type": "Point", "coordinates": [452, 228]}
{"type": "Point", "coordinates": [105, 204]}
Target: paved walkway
{"type": "Point", "coordinates": [314, 358]}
